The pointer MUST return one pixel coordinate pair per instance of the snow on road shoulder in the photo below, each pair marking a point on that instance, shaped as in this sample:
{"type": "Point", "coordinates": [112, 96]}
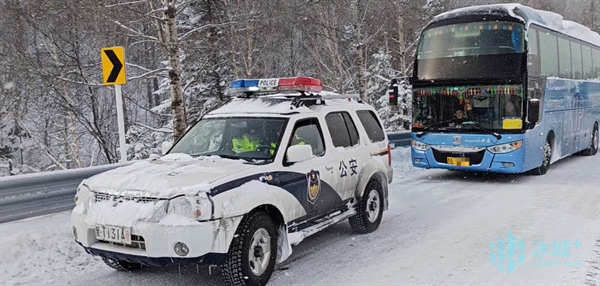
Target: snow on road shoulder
{"type": "Point", "coordinates": [42, 251]}
{"type": "Point", "coordinates": [402, 163]}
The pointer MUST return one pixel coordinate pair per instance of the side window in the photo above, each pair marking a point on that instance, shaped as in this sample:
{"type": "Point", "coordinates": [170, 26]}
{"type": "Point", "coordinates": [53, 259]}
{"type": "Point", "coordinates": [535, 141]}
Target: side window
{"type": "Point", "coordinates": [372, 126]}
{"type": "Point", "coordinates": [533, 44]}
{"type": "Point", "coordinates": [342, 129]}
{"type": "Point", "coordinates": [533, 64]}
{"type": "Point", "coordinates": [588, 70]}
{"type": "Point", "coordinates": [576, 58]}
{"type": "Point", "coordinates": [351, 128]}
{"type": "Point", "coordinates": [548, 54]}
{"type": "Point", "coordinates": [564, 54]}
{"type": "Point", "coordinates": [308, 131]}
{"type": "Point", "coordinates": [596, 56]}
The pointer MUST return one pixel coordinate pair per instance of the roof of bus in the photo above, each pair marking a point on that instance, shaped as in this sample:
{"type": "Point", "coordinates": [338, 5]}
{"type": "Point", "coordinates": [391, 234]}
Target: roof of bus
{"type": "Point", "coordinates": [548, 19]}
{"type": "Point", "coordinates": [282, 104]}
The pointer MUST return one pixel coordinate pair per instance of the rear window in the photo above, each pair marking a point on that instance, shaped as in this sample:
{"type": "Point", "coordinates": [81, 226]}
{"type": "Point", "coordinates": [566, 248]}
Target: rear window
{"type": "Point", "coordinates": [372, 126]}
{"type": "Point", "coordinates": [342, 129]}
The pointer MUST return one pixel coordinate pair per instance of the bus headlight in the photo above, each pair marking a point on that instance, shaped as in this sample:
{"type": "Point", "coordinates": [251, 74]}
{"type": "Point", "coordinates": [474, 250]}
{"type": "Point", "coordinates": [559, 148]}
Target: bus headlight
{"type": "Point", "coordinates": [505, 148]}
{"type": "Point", "coordinates": [419, 146]}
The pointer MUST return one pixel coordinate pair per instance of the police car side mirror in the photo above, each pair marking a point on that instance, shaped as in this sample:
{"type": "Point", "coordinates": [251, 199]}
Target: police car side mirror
{"type": "Point", "coordinates": [166, 146]}
{"type": "Point", "coordinates": [299, 153]}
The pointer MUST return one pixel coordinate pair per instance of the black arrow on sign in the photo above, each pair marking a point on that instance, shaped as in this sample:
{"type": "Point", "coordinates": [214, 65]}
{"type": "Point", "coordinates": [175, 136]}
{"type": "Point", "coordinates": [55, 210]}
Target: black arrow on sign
{"type": "Point", "coordinates": [117, 66]}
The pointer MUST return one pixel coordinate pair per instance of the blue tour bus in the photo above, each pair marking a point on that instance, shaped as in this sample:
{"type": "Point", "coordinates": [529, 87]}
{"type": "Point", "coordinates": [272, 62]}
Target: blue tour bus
{"type": "Point", "coordinates": [504, 88]}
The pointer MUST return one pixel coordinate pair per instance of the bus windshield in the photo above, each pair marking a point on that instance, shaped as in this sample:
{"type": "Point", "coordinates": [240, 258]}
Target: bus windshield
{"type": "Point", "coordinates": [471, 39]}
{"type": "Point", "coordinates": [496, 107]}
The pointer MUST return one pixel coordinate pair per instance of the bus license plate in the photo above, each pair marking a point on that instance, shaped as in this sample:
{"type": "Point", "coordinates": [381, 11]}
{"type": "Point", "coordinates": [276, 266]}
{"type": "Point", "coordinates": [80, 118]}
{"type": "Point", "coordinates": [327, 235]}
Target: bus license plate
{"type": "Point", "coordinates": [458, 161]}
{"type": "Point", "coordinates": [113, 233]}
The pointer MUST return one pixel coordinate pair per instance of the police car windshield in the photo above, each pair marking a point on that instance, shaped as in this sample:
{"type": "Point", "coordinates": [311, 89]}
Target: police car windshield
{"type": "Point", "coordinates": [236, 138]}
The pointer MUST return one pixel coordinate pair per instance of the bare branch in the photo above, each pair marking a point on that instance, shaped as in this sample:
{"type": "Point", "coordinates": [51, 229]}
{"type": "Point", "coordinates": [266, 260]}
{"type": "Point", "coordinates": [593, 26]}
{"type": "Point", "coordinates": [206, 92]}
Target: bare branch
{"type": "Point", "coordinates": [123, 4]}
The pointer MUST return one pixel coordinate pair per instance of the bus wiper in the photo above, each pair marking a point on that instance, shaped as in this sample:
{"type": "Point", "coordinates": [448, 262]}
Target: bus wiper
{"type": "Point", "coordinates": [482, 128]}
{"type": "Point", "coordinates": [435, 124]}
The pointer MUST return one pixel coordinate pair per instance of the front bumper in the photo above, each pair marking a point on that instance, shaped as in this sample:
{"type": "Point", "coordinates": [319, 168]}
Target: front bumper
{"type": "Point", "coordinates": [208, 242]}
{"type": "Point", "coordinates": [116, 253]}
{"type": "Point", "coordinates": [487, 162]}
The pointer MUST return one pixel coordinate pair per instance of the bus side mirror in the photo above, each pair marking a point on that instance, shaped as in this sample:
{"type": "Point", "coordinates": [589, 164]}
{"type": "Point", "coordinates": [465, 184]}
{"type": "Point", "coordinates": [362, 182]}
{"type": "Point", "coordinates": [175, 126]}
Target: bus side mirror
{"type": "Point", "coordinates": [533, 111]}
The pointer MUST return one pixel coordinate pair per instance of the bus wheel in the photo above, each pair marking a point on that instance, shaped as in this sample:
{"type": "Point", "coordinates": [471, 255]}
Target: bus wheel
{"type": "Point", "coordinates": [543, 169]}
{"type": "Point", "coordinates": [593, 144]}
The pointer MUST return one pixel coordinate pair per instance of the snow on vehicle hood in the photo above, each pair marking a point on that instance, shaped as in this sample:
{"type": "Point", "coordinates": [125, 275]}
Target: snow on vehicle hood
{"type": "Point", "coordinates": [165, 177]}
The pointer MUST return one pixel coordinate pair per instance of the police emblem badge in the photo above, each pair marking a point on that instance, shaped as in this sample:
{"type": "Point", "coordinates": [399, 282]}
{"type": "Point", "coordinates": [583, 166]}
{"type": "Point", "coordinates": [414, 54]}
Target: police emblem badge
{"type": "Point", "coordinates": [314, 185]}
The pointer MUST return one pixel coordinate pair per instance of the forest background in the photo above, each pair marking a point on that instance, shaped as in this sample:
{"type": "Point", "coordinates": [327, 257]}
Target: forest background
{"type": "Point", "coordinates": [181, 55]}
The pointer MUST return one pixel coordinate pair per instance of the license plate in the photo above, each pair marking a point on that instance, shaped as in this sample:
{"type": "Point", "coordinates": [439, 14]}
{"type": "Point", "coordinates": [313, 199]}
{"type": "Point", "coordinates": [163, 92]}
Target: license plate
{"type": "Point", "coordinates": [111, 233]}
{"type": "Point", "coordinates": [458, 161]}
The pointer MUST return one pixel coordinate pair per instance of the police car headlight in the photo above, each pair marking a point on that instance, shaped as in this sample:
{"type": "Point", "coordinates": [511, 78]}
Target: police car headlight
{"type": "Point", "coordinates": [505, 148]}
{"type": "Point", "coordinates": [83, 197]}
{"type": "Point", "coordinates": [419, 146]}
{"type": "Point", "coordinates": [195, 207]}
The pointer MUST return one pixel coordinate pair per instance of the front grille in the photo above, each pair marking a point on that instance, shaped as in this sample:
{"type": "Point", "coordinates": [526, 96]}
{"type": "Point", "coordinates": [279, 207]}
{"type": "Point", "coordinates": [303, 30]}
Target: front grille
{"type": "Point", "coordinates": [101, 197]}
{"type": "Point", "coordinates": [475, 158]}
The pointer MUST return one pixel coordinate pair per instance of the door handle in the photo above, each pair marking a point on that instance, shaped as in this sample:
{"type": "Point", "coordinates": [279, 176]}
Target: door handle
{"type": "Point", "coordinates": [328, 167]}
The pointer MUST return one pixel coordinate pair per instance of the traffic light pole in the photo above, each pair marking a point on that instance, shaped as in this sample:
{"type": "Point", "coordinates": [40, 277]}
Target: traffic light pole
{"type": "Point", "coordinates": [121, 122]}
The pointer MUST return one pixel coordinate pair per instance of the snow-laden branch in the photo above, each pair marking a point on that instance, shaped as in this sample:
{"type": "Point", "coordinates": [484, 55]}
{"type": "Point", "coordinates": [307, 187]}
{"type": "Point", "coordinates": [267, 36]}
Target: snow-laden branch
{"type": "Point", "coordinates": [136, 32]}
{"type": "Point", "coordinates": [123, 4]}
{"type": "Point", "coordinates": [141, 42]}
{"type": "Point", "coordinates": [44, 148]}
{"type": "Point", "coordinates": [80, 82]}
{"type": "Point", "coordinates": [180, 7]}
{"type": "Point", "coordinates": [148, 74]}
{"type": "Point", "coordinates": [162, 10]}
{"type": "Point", "coordinates": [154, 129]}
{"type": "Point", "coordinates": [138, 66]}
{"type": "Point", "coordinates": [184, 36]}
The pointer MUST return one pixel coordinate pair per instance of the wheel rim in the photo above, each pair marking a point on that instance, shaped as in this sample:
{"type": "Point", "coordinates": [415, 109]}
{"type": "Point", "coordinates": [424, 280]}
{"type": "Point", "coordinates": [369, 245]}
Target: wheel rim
{"type": "Point", "coordinates": [373, 206]}
{"type": "Point", "coordinates": [260, 251]}
{"type": "Point", "coordinates": [547, 153]}
{"type": "Point", "coordinates": [595, 140]}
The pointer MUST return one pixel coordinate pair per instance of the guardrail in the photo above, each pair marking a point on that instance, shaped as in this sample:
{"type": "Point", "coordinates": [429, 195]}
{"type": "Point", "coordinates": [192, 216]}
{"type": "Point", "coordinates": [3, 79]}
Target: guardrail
{"type": "Point", "coordinates": [30, 195]}
{"type": "Point", "coordinates": [399, 138]}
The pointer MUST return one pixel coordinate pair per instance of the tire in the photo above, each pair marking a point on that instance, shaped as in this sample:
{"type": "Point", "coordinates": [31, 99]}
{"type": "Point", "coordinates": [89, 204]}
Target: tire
{"type": "Point", "coordinates": [593, 149]}
{"type": "Point", "coordinates": [543, 169]}
{"type": "Point", "coordinates": [255, 235]}
{"type": "Point", "coordinates": [121, 265]}
{"type": "Point", "coordinates": [370, 209]}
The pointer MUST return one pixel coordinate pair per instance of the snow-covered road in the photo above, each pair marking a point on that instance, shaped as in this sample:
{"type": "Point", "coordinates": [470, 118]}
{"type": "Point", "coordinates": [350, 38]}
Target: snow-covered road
{"type": "Point", "coordinates": [438, 231]}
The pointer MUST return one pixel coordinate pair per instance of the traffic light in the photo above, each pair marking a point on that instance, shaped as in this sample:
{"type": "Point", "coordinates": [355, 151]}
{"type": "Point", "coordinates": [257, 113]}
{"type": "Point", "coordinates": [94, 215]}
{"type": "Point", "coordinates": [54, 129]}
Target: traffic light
{"type": "Point", "coordinates": [393, 92]}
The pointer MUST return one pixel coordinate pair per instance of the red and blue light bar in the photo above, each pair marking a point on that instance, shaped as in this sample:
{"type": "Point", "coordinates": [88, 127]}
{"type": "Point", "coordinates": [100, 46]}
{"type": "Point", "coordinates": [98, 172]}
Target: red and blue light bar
{"type": "Point", "coordinates": [275, 85]}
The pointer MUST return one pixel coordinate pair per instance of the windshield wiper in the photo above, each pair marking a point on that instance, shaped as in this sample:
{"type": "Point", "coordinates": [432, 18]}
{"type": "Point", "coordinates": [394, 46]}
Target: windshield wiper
{"type": "Point", "coordinates": [428, 127]}
{"type": "Point", "coordinates": [482, 128]}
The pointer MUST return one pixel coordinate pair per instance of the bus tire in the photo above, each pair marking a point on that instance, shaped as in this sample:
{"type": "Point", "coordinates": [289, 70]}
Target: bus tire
{"type": "Point", "coordinates": [593, 149]}
{"type": "Point", "coordinates": [543, 169]}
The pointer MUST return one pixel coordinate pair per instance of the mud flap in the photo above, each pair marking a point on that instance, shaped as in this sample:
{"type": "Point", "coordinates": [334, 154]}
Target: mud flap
{"type": "Point", "coordinates": [284, 248]}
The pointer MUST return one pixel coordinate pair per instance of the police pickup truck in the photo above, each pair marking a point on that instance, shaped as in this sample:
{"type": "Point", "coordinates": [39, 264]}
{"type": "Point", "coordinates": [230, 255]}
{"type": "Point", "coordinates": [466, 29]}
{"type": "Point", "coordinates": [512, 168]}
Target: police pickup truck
{"type": "Point", "coordinates": [280, 161]}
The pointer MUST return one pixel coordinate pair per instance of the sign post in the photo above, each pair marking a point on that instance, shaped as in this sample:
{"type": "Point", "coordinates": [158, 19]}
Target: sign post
{"type": "Point", "coordinates": [113, 67]}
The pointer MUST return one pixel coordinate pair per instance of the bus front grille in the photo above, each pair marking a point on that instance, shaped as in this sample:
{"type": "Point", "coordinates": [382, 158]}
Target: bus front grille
{"type": "Point", "coordinates": [475, 158]}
